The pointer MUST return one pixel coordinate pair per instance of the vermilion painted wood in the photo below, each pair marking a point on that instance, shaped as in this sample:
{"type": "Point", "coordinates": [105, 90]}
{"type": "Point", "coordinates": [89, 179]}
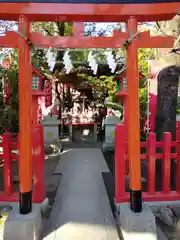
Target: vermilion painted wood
{"type": "Point", "coordinates": [157, 196]}
{"type": "Point", "coordinates": [78, 41]}
{"type": "Point", "coordinates": [89, 12]}
{"type": "Point", "coordinates": [10, 40]}
{"type": "Point", "coordinates": [38, 93]}
{"type": "Point", "coordinates": [81, 124]}
{"type": "Point", "coordinates": [178, 158]}
{"type": "Point", "coordinates": [78, 29]}
{"type": "Point", "coordinates": [145, 40]}
{"type": "Point", "coordinates": [175, 143]}
{"type": "Point", "coordinates": [25, 108]}
{"type": "Point", "coordinates": [14, 197]}
{"type": "Point", "coordinates": [14, 156]}
{"type": "Point", "coordinates": [144, 144]}
{"type": "Point", "coordinates": [117, 41]}
{"type": "Point", "coordinates": [8, 180]}
{"type": "Point", "coordinates": [38, 160]}
{"type": "Point", "coordinates": [34, 109]}
{"type": "Point", "coordinates": [14, 145]}
{"type": "Point", "coordinates": [119, 161]}
{"type": "Point", "coordinates": [158, 156]}
{"type": "Point", "coordinates": [151, 195]}
{"type": "Point", "coordinates": [76, 12]}
{"type": "Point", "coordinates": [166, 163]}
{"type": "Point", "coordinates": [36, 72]}
{"type": "Point", "coordinates": [133, 124]}
{"type": "Point", "coordinates": [126, 154]}
{"type": "Point", "coordinates": [151, 162]}
{"type": "Point", "coordinates": [121, 94]}
{"type": "Point", "coordinates": [125, 104]}
{"type": "Point", "coordinates": [159, 144]}
{"type": "Point", "coordinates": [152, 110]}
{"type": "Point", "coordinates": [9, 198]}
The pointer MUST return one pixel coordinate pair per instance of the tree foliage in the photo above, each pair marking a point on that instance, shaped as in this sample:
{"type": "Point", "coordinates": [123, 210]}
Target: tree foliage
{"type": "Point", "coordinates": [9, 112]}
{"type": "Point", "coordinates": [102, 83]}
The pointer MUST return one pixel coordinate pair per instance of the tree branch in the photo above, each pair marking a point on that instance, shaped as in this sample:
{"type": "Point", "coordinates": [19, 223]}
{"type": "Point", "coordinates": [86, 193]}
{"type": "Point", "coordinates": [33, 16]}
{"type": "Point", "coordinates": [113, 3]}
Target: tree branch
{"type": "Point", "coordinates": [48, 32]}
{"type": "Point", "coordinates": [61, 28]}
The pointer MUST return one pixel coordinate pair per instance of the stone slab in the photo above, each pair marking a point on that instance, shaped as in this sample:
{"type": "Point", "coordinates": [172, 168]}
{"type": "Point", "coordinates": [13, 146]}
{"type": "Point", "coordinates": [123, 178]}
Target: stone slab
{"type": "Point", "coordinates": [160, 234]}
{"type": "Point", "coordinates": [23, 227]}
{"type": "Point", "coordinates": [156, 206]}
{"type": "Point", "coordinates": [167, 218]}
{"type": "Point", "coordinates": [137, 226]}
{"type": "Point", "coordinates": [81, 209]}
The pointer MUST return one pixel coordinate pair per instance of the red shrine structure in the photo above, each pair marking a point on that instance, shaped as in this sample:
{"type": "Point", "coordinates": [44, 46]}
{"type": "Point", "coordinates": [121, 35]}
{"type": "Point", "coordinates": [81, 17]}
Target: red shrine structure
{"type": "Point", "coordinates": [77, 11]}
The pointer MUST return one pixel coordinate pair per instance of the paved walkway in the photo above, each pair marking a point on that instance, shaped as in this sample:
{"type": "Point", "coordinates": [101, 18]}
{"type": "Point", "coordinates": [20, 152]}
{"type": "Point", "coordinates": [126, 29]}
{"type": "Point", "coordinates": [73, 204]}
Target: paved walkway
{"type": "Point", "coordinates": [81, 209]}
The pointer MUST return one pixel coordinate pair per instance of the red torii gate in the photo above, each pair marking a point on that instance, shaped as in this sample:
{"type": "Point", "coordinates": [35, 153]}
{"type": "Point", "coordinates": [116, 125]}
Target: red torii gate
{"type": "Point", "coordinates": [130, 13]}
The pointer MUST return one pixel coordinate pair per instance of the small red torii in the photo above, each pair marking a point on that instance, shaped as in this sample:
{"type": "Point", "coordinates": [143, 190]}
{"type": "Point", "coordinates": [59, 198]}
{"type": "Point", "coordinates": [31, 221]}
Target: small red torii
{"type": "Point", "coordinates": [110, 11]}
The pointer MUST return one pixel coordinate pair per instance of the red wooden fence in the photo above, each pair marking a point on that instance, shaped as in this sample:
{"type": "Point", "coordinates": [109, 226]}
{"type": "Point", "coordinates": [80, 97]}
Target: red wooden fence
{"type": "Point", "coordinates": [8, 157]}
{"type": "Point", "coordinates": [150, 156]}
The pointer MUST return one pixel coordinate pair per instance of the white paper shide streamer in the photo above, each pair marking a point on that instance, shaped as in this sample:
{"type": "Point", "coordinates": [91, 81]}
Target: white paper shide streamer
{"type": "Point", "coordinates": [92, 62]}
{"type": "Point", "coordinates": [51, 60]}
{"type": "Point", "coordinates": [67, 62]}
{"type": "Point", "coordinates": [111, 61]}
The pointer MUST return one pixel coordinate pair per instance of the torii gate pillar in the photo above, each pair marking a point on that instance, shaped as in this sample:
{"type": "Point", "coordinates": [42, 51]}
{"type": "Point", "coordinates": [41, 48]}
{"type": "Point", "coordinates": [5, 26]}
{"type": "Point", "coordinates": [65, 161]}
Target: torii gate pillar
{"type": "Point", "coordinates": [132, 76]}
{"type": "Point", "coordinates": [25, 119]}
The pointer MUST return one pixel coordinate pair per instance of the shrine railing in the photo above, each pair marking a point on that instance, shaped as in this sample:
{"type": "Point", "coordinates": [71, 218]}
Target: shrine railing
{"type": "Point", "coordinates": [9, 161]}
{"type": "Point", "coordinates": [165, 152]}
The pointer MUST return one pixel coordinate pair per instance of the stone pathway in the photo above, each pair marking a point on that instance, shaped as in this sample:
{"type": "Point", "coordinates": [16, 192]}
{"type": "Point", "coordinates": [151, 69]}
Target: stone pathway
{"type": "Point", "coordinates": [81, 209]}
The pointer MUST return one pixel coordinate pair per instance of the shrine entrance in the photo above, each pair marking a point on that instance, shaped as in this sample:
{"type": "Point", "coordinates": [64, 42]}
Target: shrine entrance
{"type": "Point", "coordinates": [130, 41]}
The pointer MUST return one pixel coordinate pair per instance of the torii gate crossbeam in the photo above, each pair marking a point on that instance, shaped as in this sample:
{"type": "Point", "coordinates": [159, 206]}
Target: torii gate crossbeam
{"type": "Point", "coordinates": [112, 11]}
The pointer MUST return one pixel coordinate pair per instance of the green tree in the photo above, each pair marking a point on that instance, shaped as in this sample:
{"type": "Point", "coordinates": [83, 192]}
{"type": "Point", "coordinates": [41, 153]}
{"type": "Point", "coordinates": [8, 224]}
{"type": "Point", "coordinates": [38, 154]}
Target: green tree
{"type": "Point", "coordinates": [102, 82]}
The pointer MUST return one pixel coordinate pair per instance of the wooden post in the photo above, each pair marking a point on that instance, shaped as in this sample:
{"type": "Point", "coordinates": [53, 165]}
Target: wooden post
{"type": "Point", "coordinates": [8, 178]}
{"type": "Point", "coordinates": [166, 163]}
{"type": "Point", "coordinates": [78, 29]}
{"type": "Point", "coordinates": [119, 162]}
{"type": "Point", "coordinates": [125, 99]}
{"type": "Point", "coordinates": [38, 163]}
{"type": "Point", "coordinates": [25, 120]}
{"type": "Point", "coordinates": [151, 162]}
{"type": "Point", "coordinates": [178, 158]}
{"type": "Point", "coordinates": [133, 119]}
{"type": "Point", "coordinates": [34, 109]}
